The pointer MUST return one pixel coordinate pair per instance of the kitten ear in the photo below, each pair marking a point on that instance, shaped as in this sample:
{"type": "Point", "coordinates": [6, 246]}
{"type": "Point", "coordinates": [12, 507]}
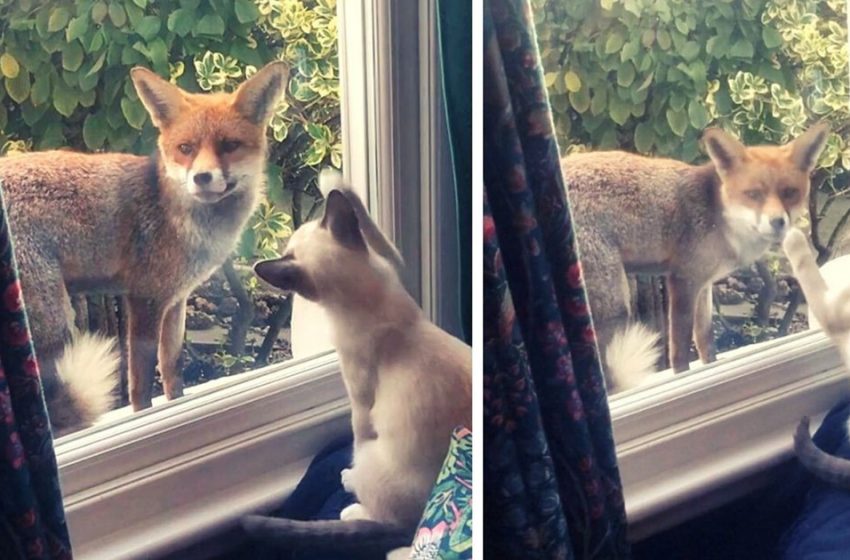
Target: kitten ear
{"type": "Point", "coordinates": [162, 100]}
{"type": "Point", "coordinates": [806, 149]}
{"type": "Point", "coordinates": [257, 97]}
{"type": "Point", "coordinates": [287, 275]}
{"type": "Point", "coordinates": [341, 219]}
{"type": "Point", "coordinates": [725, 150]}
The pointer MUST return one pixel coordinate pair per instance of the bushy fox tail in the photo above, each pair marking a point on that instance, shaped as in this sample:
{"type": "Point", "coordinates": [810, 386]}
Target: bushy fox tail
{"type": "Point", "coordinates": [87, 377]}
{"type": "Point", "coordinates": [631, 355]}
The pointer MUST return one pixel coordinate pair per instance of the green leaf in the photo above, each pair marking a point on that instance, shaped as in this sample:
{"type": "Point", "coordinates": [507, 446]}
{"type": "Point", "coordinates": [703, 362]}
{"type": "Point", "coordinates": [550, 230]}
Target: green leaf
{"type": "Point", "coordinates": [58, 19]}
{"type": "Point", "coordinates": [99, 12]}
{"type": "Point", "coordinates": [210, 24]}
{"type": "Point", "coordinates": [771, 37]}
{"type": "Point", "coordinates": [678, 121]}
{"type": "Point", "coordinates": [18, 87]}
{"type": "Point", "coordinates": [181, 21]}
{"type": "Point", "coordinates": [64, 98]}
{"type": "Point", "coordinates": [614, 43]}
{"type": "Point", "coordinates": [134, 15]}
{"type": "Point", "coordinates": [742, 49]}
{"type": "Point", "coordinates": [134, 112]}
{"type": "Point", "coordinates": [572, 81]}
{"type": "Point", "coordinates": [72, 57]}
{"type": "Point", "coordinates": [9, 66]}
{"type": "Point", "coordinates": [117, 14]}
{"type": "Point", "coordinates": [644, 137]}
{"type": "Point", "coordinates": [690, 50]}
{"type": "Point", "coordinates": [97, 65]}
{"type": "Point", "coordinates": [629, 51]}
{"type": "Point", "coordinates": [141, 3]}
{"type": "Point", "coordinates": [42, 20]}
{"type": "Point", "coordinates": [619, 110]}
{"type": "Point", "coordinates": [32, 114]}
{"type": "Point", "coordinates": [40, 91]}
{"type": "Point", "coordinates": [246, 11]}
{"type": "Point", "coordinates": [159, 55]}
{"type": "Point", "coordinates": [599, 102]}
{"type": "Point", "coordinates": [626, 75]}
{"type": "Point", "coordinates": [77, 28]}
{"type": "Point", "coordinates": [697, 114]}
{"type": "Point", "coordinates": [148, 27]}
{"type": "Point", "coordinates": [664, 39]}
{"type": "Point", "coordinates": [580, 100]}
{"type": "Point", "coordinates": [95, 129]}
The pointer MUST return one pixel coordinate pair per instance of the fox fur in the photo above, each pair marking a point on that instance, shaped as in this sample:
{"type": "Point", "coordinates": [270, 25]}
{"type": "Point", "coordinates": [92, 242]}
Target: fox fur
{"type": "Point", "coordinates": [148, 228]}
{"type": "Point", "coordinates": [827, 292]}
{"type": "Point", "coordinates": [694, 224]}
{"type": "Point", "coordinates": [408, 381]}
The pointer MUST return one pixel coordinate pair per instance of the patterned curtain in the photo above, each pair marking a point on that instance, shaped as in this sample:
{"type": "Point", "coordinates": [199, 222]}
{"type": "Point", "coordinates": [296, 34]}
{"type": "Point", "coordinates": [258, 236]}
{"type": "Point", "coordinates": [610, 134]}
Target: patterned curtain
{"type": "Point", "coordinates": [32, 521]}
{"type": "Point", "coordinates": [551, 482]}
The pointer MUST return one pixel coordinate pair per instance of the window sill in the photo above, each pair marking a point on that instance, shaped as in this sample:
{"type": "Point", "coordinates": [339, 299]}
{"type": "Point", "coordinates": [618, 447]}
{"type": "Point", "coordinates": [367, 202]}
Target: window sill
{"type": "Point", "coordinates": [702, 439]}
{"type": "Point", "coordinates": [147, 485]}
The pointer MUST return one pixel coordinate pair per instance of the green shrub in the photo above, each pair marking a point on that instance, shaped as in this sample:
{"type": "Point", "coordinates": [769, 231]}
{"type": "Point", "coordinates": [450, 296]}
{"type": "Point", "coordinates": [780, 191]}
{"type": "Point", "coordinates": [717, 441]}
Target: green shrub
{"type": "Point", "coordinates": [651, 75]}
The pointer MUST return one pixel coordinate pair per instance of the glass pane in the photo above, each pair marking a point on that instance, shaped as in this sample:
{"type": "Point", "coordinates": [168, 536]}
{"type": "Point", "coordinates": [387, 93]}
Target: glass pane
{"type": "Point", "coordinates": [685, 244]}
{"type": "Point", "coordinates": [117, 244]}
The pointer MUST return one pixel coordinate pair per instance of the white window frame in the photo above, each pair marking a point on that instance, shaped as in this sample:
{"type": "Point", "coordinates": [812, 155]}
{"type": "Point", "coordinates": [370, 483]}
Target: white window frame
{"type": "Point", "coordinates": [696, 441]}
{"type": "Point", "coordinates": [167, 477]}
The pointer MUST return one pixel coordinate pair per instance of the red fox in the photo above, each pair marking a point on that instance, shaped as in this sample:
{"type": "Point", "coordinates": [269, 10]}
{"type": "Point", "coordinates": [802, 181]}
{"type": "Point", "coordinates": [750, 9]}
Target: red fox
{"type": "Point", "coordinates": [150, 228]}
{"type": "Point", "coordinates": [694, 224]}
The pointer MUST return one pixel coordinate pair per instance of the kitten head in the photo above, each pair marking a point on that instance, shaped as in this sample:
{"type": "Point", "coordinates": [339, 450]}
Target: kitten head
{"type": "Point", "coordinates": [328, 257]}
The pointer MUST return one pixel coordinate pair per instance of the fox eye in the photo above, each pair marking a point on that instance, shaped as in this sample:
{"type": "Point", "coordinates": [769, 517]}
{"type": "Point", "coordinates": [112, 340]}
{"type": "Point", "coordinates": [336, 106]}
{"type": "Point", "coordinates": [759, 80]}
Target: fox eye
{"type": "Point", "coordinates": [755, 195]}
{"type": "Point", "coordinates": [228, 146]}
{"type": "Point", "coordinates": [185, 149]}
{"type": "Point", "coordinates": [788, 194]}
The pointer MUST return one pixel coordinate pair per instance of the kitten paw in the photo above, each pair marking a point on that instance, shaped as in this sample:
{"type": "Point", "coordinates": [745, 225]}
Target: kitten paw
{"type": "Point", "coordinates": [346, 478]}
{"type": "Point", "coordinates": [796, 245]}
{"type": "Point", "coordinates": [354, 512]}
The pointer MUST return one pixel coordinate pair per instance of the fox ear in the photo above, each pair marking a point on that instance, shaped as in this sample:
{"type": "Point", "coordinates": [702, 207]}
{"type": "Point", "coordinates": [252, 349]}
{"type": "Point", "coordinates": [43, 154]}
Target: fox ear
{"type": "Point", "coordinates": [287, 275]}
{"type": "Point", "coordinates": [725, 150]}
{"type": "Point", "coordinates": [257, 97]}
{"type": "Point", "coordinates": [163, 100]}
{"type": "Point", "coordinates": [341, 219]}
{"type": "Point", "coordinates": [806, 149]}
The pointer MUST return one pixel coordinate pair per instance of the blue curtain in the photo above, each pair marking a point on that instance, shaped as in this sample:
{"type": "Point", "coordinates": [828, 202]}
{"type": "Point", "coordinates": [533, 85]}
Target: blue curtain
{"type": "Point", "coordinates": [551, 484]}
{"type": "Point", "coordinates": [32, 521]}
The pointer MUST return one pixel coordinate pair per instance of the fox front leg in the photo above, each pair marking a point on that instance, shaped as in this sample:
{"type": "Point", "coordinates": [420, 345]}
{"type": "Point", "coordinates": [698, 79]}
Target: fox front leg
{"type": "Point", "coordinates": [144, 319]}
{"type": "Point", "coordinates": [703, 334]}
{"type": "Point", "coordinates": [682, 306]}
{"type": "Point", "coordinates": [172, 331]}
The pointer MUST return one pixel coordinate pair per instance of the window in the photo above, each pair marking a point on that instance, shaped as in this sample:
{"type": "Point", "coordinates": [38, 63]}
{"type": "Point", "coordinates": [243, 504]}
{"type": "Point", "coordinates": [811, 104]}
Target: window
{"type": "Point", "coordinates": [648, 78]}
{"type": "Point", "coordinates": [271, 420]}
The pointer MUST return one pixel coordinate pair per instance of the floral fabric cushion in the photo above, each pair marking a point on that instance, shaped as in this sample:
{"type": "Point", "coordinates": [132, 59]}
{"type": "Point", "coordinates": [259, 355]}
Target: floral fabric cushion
{"type": "Point", "coordinates": [445, 532]}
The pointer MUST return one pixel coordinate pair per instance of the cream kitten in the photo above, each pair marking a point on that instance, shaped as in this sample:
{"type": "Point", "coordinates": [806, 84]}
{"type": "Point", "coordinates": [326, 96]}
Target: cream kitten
{"type": "Point", "coordinates": [827, 294]}
{"type": "Point", "coordinates": [409, 382]}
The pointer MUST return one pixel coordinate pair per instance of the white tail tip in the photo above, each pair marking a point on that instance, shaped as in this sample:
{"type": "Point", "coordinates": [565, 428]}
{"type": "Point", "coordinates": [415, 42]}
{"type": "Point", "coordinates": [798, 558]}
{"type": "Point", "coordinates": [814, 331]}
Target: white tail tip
{"type": "Point", "coordinates": [89, 367]}
{"type": "Point", "coordinates": [329, 179]}
{"type": "Point", "coordinates": [631, 355]}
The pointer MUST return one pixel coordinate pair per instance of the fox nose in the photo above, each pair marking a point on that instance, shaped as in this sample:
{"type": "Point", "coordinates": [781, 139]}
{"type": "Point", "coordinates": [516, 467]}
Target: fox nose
{"type": "Point", "coordinates": [778, 223]}
{"type": "Point", "coordinates": [202, 179]}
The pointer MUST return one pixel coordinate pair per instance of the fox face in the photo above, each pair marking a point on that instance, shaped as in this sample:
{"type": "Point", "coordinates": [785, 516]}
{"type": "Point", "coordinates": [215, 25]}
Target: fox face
{"type": "Point", "coordinates": [764, 188]}
{"type": "Point", "coordinates": [322, 255]}
{"type": "Point", "coordinates": [212, 145]}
